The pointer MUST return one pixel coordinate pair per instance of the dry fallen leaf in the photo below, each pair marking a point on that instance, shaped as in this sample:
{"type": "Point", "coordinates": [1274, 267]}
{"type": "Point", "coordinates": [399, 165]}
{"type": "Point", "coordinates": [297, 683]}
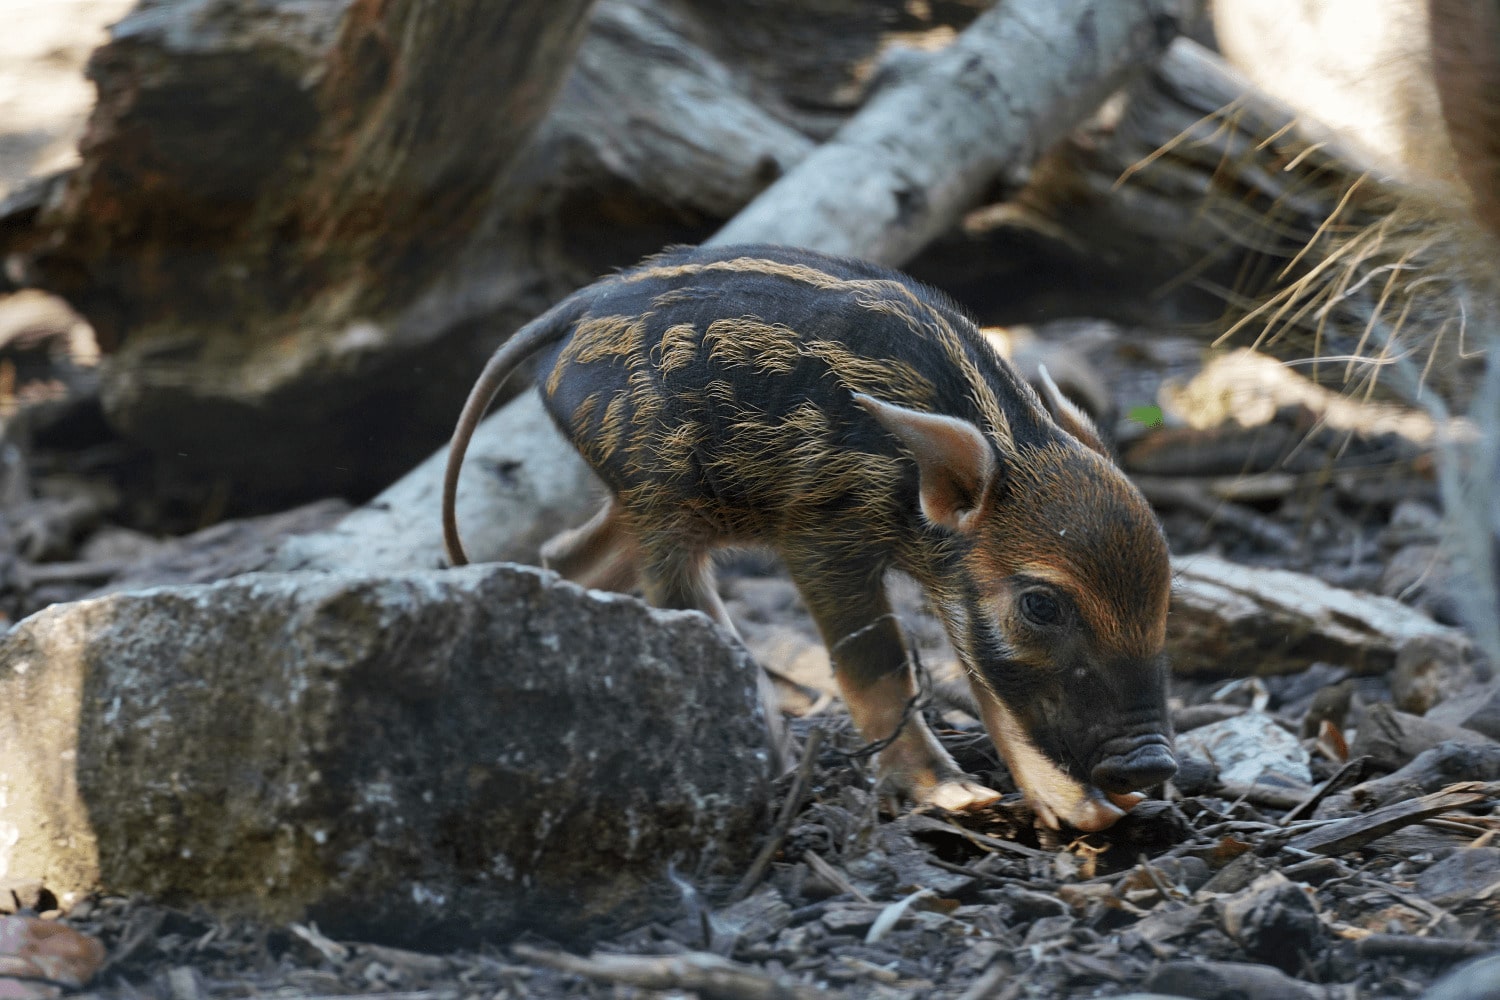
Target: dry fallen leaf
{"type": "Point", "coordinates": [39, 958]}
{"type": "Point", "coordinates": [1226, 850]}
{"type": "Point", "coordinates": [1331, 742]}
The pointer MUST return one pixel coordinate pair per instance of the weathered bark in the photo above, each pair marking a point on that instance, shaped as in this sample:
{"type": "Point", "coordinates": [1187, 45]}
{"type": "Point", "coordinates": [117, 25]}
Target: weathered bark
{"type": "Point", "coordinates": [524, 483]}
{"type": "Point", "coordinates": [378, 338]}
{"type": "Point", "coordinates": [1356, 831]}
{"type": "Point", "coordinates": [267, 190]}
{"type": "Point", "coordinates": [1017, 80]}
{"type": "Point", "coordinates": [1239, 620]}
{"type": "Point", "coordinates": [333, 153]}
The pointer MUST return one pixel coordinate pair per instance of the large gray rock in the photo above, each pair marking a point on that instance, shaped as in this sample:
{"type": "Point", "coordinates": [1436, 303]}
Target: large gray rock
{"type": "Point", "coordinates": [430, 756]}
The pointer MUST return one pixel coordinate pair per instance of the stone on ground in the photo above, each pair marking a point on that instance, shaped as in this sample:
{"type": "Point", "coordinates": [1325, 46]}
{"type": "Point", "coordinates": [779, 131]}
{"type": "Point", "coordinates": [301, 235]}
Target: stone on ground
{"type": "Point", "coordinates": [421, 757]}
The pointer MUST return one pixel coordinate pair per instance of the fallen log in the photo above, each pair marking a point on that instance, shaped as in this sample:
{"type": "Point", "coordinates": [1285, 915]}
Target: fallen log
{"type": "Point", "coordinates": [920, 153]}
{"type": "Point", "coordinates": [524, 483]}
{"type": "Point", "coordinates": [1237, 620]}
{"type": "Point", "coordinates": [267, 195]}
{"type": "Point", "coordinates": [1206, 204]}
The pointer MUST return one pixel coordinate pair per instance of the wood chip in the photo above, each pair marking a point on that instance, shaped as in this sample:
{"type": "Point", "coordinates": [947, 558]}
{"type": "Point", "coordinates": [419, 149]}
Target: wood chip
{"type": "Point", "coordinates": [325, 946]}
{"type": "Point", "coordinates": [892, 914]}
{"type": "Point", "coordinates": [789, 808]}
{"type": "Point", "coordinates": [1271, 796]}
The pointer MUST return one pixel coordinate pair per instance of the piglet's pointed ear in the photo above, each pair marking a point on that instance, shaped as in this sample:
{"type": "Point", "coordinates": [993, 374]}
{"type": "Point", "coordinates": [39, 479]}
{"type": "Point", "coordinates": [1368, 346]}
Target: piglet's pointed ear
{"type": "Point", "coordinates": [954, 460]}
{"type": "Point", "coordinates": [1067, 414]}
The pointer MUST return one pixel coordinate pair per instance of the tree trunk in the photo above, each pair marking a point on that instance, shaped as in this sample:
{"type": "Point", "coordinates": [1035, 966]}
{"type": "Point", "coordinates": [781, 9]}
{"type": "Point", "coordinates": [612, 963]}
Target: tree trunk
{"type": "Point", "coordinates": [268, 194]}
{"type": "Point", "coordinates": [275, 159]}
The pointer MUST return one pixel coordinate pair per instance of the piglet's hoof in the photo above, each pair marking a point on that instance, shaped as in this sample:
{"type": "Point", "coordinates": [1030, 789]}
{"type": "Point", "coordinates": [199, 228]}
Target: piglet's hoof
{"type": "Point", "coordinates": [1098, 811]}
{"type": "Point", "coordinates": [960, 795]}
{"type": "Point", "coordinates": [955, 793]}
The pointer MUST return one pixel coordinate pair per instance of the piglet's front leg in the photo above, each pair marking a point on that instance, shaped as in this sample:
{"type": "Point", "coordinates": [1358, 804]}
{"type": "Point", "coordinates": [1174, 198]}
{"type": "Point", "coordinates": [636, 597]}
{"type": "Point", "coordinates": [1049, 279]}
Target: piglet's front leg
{"type": "Point", "coordinates": [875, 677]}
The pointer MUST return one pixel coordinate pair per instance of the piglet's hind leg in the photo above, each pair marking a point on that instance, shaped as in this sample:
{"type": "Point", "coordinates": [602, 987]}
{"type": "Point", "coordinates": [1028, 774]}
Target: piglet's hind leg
{"type": "Point", "coordinates": [601, 553]}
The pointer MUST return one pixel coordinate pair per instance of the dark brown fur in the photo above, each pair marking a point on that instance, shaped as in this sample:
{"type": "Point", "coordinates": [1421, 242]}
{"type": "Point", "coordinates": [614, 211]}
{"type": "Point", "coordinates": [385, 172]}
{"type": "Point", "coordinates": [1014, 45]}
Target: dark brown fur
{"type": "Point", "coordinates": [1466, 72]}
{"type": "Point", "coordinates": [855, 421]}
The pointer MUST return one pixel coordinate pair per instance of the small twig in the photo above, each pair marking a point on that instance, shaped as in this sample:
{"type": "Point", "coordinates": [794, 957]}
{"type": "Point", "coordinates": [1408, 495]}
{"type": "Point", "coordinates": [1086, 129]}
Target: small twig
{"type": "Point", "coordinates": [965, 870]}
{"type": "Point", "coordinates": [821, 868]}
{"type": "Point", "coordinates": [1162, 889]}
{"type": "Point", "coordinates": [1252, 487]}
{"type": "Point", "coordinates": [918, 823]}
{"type": "Point", "coordinates": [1270, 796]}
{"type": "Point", "coordinates": [1238, 826]}
{"type": "Point", "coordinates": [29, 575]}
{"type": "Point", "coordinates": [989, 878]}
{"type": "Point", "coordinates": [789, 808]}
{"type": "Point", "coordinates": [1349, 774]}
{"type": "Point", "coordinates": [985, 986]}
{"type": "Point", "coordinates": [1356, 831]}
{"type": "Point", "coordinates": [1190, 496]}
{"type": "Point", "coordinates": [1456, 826]}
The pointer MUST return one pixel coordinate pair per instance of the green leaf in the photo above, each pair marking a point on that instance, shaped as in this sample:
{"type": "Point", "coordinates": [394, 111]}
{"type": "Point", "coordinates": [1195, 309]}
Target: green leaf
{"type": "Point", "coordinates": [1149, 414]}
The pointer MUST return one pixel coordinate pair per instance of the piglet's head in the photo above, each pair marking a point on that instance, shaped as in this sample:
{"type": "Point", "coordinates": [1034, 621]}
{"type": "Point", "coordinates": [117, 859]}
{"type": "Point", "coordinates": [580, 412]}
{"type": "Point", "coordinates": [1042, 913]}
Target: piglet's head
{"type": "Point", "coordinates": [1054, 592]}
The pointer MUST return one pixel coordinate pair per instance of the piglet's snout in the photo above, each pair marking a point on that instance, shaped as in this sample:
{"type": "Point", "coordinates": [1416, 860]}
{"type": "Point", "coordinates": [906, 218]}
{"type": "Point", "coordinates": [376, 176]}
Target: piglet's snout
{"type": "Point", "coordinates": [1136, 765]}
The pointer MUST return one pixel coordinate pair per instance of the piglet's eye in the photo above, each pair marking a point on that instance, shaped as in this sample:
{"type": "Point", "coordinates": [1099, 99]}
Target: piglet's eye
{"type": "Point", "coordinates": [1041, 608]}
